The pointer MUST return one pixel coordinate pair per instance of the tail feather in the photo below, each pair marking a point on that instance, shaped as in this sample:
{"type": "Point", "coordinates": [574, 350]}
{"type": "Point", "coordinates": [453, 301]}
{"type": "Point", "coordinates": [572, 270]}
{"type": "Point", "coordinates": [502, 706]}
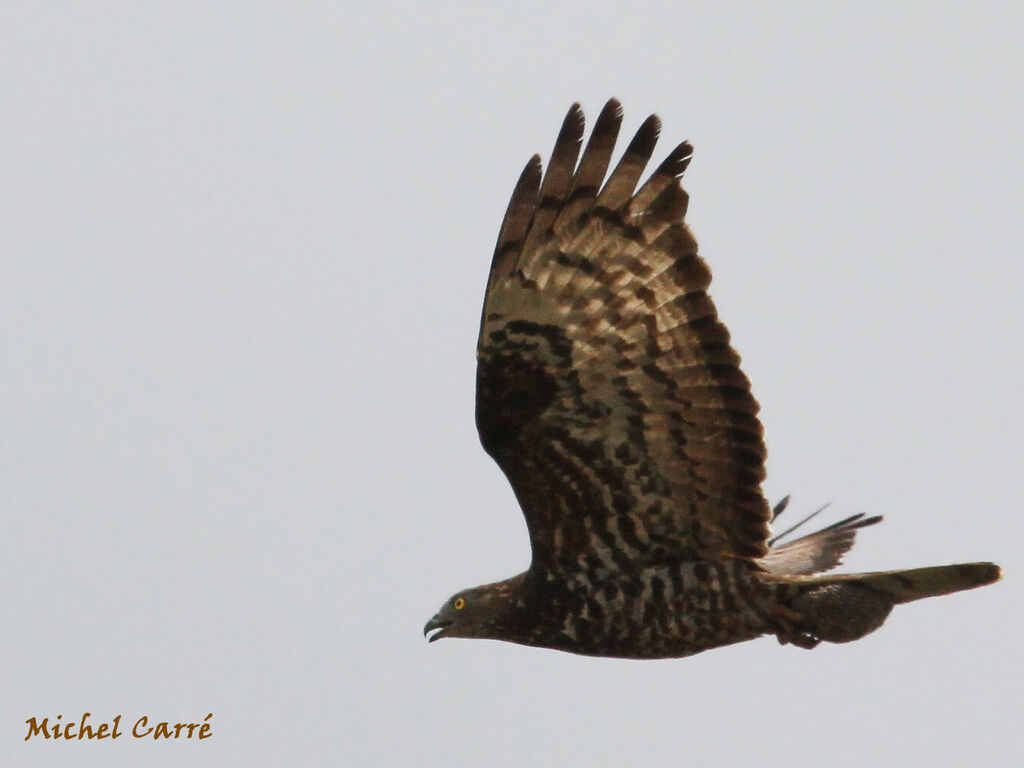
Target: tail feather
{"type": "Point", "coordinates": [917, 583]}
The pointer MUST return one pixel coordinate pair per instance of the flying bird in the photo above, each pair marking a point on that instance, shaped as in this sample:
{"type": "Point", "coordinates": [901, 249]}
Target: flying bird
{"type": "Point", "coordinates": [609, 395]}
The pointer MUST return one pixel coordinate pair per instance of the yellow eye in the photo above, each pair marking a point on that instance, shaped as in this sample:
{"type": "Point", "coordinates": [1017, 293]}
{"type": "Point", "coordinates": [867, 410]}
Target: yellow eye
{"type": "Point", "coordinates": [459, 603]}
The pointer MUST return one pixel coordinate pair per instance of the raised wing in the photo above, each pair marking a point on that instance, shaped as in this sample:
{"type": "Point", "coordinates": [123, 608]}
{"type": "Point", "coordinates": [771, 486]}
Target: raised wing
{"type": "Point", "coordinates": [816, 552]}
{"type": "Point", "coordinates": [606, 387]}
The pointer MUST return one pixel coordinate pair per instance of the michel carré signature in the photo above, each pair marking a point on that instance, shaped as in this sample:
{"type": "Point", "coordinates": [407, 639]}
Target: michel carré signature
{"type": "Point", "coordinates": [143, 728]}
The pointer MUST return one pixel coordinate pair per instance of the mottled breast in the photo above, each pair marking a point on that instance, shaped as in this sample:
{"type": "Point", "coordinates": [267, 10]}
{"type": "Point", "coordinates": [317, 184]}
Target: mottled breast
{"type": "Point", "coordinates": [665, 610]}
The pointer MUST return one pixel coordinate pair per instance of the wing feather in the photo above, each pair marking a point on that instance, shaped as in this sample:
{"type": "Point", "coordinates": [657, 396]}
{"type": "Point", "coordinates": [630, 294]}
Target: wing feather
{"type": "Point", "coordinates": [820, 551]}
{"type": "Point", "coordinates": [607, 390]}
{"type": "Point", "coordinates": [623, 180]}
{"type": "Point", "coordinates": [515, 225]}
{"type": "Point", "coordinates": [555, 188]}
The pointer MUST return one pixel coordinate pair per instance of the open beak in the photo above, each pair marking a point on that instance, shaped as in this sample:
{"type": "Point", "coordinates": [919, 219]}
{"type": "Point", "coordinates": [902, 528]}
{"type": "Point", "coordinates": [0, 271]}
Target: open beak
{"type": "Point", "coordinates": [435, 623]}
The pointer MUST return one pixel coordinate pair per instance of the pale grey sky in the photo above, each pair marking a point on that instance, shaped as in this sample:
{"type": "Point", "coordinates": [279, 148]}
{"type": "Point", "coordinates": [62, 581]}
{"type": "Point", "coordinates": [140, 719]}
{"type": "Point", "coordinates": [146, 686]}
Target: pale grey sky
{"type": "Point", "coordinates": [243, 252]}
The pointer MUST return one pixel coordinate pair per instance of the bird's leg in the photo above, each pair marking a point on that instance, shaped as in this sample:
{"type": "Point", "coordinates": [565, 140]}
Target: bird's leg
{"type": "Point", "coordinates": [788, 622]}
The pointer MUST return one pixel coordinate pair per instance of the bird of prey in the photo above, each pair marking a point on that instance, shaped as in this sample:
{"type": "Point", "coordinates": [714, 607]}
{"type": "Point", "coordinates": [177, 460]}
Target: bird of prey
{"type": "Point", "coordinates": [609, 395]}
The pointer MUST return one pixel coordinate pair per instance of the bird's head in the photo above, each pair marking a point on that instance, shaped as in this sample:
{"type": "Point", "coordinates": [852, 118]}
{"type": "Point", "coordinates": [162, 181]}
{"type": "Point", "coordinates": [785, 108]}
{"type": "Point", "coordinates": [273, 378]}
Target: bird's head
{"type": "Point", "coordinates": [479, 612]}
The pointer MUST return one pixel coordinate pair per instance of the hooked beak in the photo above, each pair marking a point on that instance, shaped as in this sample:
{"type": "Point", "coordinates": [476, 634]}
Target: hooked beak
{"type": "Point", "coordinates": [435, 623]}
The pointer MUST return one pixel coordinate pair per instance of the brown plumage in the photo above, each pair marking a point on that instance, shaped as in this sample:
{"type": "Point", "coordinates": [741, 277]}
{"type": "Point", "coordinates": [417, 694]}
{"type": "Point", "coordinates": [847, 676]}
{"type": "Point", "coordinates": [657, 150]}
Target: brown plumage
{"type": "Point", "coordinates": [610, 397]}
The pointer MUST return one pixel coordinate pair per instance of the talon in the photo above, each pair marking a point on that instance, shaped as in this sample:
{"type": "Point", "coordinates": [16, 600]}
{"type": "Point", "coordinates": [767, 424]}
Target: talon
{"type": "Point", "coordinates": [789, 622]}
{"type": "Point", "coordinates": [805, 640]}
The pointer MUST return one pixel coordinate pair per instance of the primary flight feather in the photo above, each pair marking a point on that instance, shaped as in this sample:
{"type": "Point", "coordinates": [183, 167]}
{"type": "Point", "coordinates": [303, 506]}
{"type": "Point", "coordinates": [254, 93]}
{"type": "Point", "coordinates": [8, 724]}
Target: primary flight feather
{"type": "Point", "coordinates": [610, 397]}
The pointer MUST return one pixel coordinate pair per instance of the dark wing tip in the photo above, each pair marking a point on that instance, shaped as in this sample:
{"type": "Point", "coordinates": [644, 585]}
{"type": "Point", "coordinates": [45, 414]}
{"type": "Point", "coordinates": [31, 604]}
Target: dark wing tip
{"type": "Point", "coordinates": [524, 195]}
{"type": "Point", "coordinates": [517, 217]}
{"type": "Point", "coordinates": [779, 508]}
{"type": "Point", "coordinates": [573, 124]}
{"type": "Point", "coordinates": [856, 521]}
{"type": "Point", "coordinates": [677, 161]}
{"type": "Point", "coordinates": [532, 170]}
{"type": "Point", "coordinates": [594, 162]}
{"type": "Point", "coordinates": [614, 107]}
{"type": "Point", "coordinates": [647, 135]}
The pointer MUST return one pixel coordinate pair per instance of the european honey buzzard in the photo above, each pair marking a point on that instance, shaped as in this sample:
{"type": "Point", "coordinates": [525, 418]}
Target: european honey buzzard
{"type": "Point", "coordinates": [610, 397]}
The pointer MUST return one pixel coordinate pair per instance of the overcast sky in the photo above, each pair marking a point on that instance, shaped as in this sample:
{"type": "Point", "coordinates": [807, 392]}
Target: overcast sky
{"type": "Point", "coordinates": [243, 252]}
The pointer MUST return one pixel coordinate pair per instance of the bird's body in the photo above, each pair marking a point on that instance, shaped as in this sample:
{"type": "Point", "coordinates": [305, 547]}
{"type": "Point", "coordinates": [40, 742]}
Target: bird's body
{"type": "Point", "coordinates": [609, 395]}
{"type": "Point", "coordinates": [668, 610]}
